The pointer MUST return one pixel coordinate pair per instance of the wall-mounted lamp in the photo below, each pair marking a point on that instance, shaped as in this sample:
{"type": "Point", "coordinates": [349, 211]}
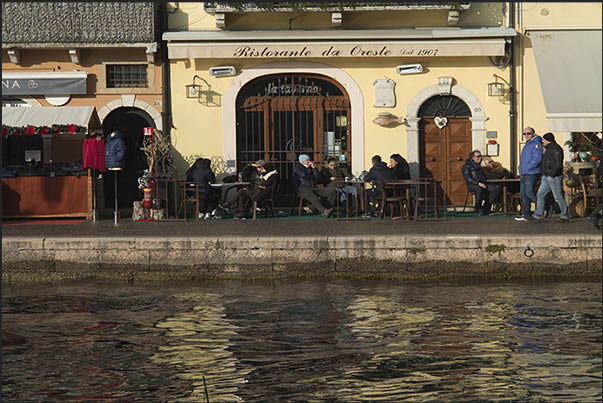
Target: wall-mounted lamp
{"type": "Point", "coordinates": [409, 69]}
{"type": "Point", "coordinates": [222, 71]}
{"type": "Point", "coordinates": [496, 88]}
{"type": "Point", "coordinates": [195, 90]}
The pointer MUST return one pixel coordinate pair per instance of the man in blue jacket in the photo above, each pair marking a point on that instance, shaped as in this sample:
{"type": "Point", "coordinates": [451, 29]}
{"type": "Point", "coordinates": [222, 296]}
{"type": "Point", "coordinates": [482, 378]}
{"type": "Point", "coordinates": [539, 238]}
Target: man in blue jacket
{"type": "Point", "coordinates": [529, 171]}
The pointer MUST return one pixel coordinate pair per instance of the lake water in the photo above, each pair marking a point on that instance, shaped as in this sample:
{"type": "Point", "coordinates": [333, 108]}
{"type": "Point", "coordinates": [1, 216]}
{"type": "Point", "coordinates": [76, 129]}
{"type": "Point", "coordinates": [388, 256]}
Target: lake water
{"type": "Point", "coordinates": [315, 340]}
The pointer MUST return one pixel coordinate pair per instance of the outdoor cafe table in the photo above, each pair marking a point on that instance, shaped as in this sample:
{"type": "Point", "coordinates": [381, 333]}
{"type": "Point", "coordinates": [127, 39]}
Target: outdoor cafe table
{"type": "Point", "coordinates": [412, 189]}
{"type": "Point", "coordinates": [360, 188]}
{"type": "Point", "coordinates": [505, 182]}
{"type": "Point", "coordinates": [182, 183]}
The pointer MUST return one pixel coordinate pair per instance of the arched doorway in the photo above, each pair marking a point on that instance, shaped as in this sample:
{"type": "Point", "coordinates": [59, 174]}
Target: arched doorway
{"type": "Point", "coordinates": [446, 140]}
{"type": "Point", "coordinates": [280, 116]}
{"type": "Point", "coordinates": [130, 121]}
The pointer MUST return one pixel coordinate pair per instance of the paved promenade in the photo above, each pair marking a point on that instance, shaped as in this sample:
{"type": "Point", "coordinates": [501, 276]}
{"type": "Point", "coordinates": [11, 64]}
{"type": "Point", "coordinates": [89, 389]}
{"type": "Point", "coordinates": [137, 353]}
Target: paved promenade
{"type": "Point", "coordinates": [305, 225]}
{"type": "Point", "coordinates": [494, 247]}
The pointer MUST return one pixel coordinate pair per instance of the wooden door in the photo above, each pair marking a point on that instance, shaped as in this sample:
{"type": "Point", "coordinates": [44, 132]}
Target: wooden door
{"type": "Point", "coordinates": [443, 153]}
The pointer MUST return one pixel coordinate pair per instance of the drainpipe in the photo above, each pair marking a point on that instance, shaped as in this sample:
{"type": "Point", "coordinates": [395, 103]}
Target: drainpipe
{"type": "Point", "coordinates": [166, 114]}
{"type": "Point", "coordinates": [512, 100]}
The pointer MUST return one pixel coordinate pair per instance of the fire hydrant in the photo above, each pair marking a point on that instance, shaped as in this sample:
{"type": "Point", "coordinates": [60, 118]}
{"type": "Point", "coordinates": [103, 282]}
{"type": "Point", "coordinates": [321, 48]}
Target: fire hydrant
{"type": "Point", "coordinates": [147, 201]}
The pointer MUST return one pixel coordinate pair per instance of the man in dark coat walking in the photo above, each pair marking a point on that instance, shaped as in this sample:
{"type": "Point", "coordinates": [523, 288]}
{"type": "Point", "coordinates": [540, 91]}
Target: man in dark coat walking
{"type": "Point", "coordinates": [477, 183]}
{"type": "Point", "coordinates": [552, 176]}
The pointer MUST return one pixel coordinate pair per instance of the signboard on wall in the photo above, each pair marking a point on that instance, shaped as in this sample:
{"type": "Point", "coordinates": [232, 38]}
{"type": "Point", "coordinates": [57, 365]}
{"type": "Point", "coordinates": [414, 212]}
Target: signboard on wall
{"type": "Point", "coordinates": [384, 93]}
{"type": "Point", "coordinates": [43, 83]}
{"type": "Point", "coordinates": [273, 50]}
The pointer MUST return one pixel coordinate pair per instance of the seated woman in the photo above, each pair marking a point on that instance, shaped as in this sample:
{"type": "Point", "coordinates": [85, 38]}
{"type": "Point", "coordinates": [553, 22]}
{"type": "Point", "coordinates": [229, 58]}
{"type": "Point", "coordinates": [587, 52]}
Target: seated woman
{"type": "Point", "coordinates": [265, 182]}
{"type": "Point", "coordinates": [495, 170]}
{"type": "Point", "coordinates": [201, 173]}
{"type": "Point", "coordinates": [399, 167]}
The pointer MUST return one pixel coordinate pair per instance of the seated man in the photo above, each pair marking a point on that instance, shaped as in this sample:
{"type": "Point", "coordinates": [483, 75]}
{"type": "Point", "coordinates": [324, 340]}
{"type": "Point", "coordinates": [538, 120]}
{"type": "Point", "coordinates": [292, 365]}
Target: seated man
{"type": "Point", "coordinates": [248, 174]}
{"type": "Point", "coordinates": [306, 176]}
{"type": "Point", "coordinates": [378, 173]}
{"type": "Point", "coordinates": [331, 174]}
{"type": "Point", "coordinates": [485, 194]}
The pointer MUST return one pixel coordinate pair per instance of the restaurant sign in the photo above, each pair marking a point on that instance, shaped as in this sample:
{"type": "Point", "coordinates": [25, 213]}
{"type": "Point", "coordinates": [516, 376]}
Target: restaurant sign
{"type": "Point", "coordinates": [43, 86]}
{"type": "Point", "coordinates": [481, 47]}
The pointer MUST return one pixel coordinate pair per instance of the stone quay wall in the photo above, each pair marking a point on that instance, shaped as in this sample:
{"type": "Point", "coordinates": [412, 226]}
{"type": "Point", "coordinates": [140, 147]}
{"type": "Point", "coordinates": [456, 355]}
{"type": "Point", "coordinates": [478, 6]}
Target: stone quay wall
{"type": "Point", "coordinates": [30, 259]}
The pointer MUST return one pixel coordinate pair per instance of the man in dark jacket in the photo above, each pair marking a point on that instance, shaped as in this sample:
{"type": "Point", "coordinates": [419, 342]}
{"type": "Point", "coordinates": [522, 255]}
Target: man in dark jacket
{"type": "Point", "coordinates": [202, 174]}
{"type": "Point", "coordinates": [305, 175]}
{"type": "Point", "coordinates": [378, 173]}
{"type": "Point", "coordinates": [477, 183]}
{"type": "Point", "coordinates": [552, 175]}
{"type": "Point", "coordinates": [334, 175]}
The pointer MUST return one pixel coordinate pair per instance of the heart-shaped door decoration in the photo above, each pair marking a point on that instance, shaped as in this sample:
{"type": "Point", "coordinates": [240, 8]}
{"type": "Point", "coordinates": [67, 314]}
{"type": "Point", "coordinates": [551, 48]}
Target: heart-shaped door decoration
{"type": "Point", "coordinates": [440, 121]}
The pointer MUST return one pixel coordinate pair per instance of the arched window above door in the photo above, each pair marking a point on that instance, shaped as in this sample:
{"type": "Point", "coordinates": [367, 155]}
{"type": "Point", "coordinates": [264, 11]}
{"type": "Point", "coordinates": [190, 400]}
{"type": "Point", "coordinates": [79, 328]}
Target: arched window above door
{"type": "Point", "coordinates": [279, 116]}
{"type": "Point", "coordinates": [444, 106]}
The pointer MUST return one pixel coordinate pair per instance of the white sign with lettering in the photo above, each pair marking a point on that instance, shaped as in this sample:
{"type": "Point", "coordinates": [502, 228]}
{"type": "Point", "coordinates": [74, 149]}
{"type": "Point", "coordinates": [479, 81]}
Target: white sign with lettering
{"type": "Point", "coordinates": [275, 50]}
{"type": "Point", "coordinates": [385, 96]}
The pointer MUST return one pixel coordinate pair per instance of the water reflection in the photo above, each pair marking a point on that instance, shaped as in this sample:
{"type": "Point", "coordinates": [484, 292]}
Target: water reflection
{"type": "Point", "coordinates": [197, 344]}
{"type": "Point", "coordinates": [306, 341]}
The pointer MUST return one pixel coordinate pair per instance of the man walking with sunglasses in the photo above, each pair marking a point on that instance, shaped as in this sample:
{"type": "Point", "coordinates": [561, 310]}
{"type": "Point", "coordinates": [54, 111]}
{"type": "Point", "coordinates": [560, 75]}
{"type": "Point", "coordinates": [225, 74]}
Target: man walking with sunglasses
{"type": "Point", "coordinates": [529, 171]}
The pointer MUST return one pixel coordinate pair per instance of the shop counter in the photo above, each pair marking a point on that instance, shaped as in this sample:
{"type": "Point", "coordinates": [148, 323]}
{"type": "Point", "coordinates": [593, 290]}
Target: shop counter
{"type": "Point", "coordinates": [47, 196]}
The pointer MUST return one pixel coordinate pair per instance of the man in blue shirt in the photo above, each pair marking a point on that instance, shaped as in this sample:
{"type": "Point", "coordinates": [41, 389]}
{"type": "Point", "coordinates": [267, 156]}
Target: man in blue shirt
{"type": "Point", "coordinates": [529, 171]}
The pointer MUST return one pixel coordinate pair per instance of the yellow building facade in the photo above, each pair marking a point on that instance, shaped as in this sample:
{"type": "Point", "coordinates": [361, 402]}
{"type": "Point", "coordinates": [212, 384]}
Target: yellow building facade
{"type": "Point", "coordinates": [429, 82]}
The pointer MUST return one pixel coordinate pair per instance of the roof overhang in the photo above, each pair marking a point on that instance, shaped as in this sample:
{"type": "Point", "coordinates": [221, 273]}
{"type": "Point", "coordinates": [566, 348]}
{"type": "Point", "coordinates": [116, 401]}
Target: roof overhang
{"type": "Point", "coordinates": [570, 72]}
{"type": "Point", "coordinates": [339, 35]}
{"type": "Point", "coordinates": [79, 45]}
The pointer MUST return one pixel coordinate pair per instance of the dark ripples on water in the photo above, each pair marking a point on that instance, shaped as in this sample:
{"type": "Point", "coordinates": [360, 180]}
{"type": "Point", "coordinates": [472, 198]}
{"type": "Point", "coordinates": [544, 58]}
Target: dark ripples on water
{"type": "Point", "coordinates": [304, 341]}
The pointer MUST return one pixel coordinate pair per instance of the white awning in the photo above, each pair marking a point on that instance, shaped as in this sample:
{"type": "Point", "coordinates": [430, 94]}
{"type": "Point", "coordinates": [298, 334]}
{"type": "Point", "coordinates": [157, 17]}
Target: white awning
{"type": "Point", "coordinates": [48, 116]}
{"type": "Point", "coordinates": [337, 43]}
{"type": "Point", "coordinates": [570, 71]}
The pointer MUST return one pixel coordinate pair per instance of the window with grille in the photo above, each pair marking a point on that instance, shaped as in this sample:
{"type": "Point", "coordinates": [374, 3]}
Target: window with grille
{"type": "Point", "coordinates": [127, 76]}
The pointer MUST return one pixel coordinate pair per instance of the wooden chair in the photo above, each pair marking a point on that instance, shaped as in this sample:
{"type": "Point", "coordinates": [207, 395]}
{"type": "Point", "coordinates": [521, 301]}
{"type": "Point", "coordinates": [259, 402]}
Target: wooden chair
{"type": "Point", "coordinates": [392, 201]}
{"type": "Point", "coordinates": [514, 201]}
{"type": "Point", "coordinates": [188, 198]}
{"type": "Point", "coordinates": [267, 204]}
{"type": "Point", "coordinates": [427, 198]}
{"type": "Point", "coordinates": [467, 197]}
